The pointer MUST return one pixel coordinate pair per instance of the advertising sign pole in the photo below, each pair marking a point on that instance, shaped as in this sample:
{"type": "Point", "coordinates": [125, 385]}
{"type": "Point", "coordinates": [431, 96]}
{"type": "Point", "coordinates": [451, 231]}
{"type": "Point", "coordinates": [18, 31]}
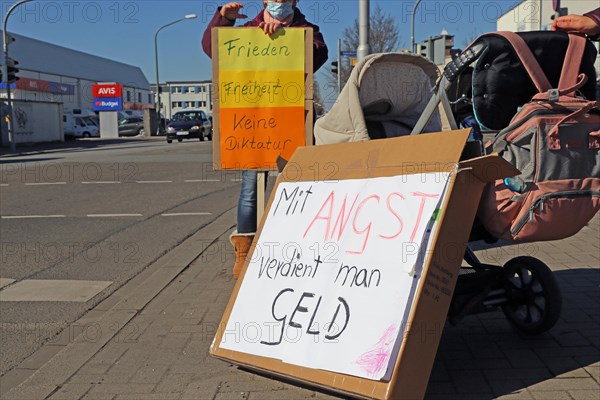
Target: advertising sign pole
{"type": "Point", "coordinates": [108, 100]}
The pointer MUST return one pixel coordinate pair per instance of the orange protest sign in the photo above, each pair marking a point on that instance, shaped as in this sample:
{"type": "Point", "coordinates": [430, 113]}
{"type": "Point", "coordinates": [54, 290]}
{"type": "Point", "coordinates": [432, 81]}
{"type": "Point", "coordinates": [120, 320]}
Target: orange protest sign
{"type": "Point", "coordinates": [263, 96]}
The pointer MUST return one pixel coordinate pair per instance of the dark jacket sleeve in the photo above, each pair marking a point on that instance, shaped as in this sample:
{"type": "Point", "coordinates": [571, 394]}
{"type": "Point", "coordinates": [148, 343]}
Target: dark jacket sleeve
{"type": "Point", "coordinates": [320, 52]}
{"type": "Point", "coordinates": [319, 46]}
{"type": "Point", "coordinates": [217, 20]}
{"type": "Point", "coordinates": [595, 16]}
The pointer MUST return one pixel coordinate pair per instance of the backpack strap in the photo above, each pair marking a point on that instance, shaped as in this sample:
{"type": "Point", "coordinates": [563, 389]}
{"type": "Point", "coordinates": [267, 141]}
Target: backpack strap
{"type": "Point", "coordinates": [572, 63]}
{"type": "Point", "coordinates": [528, 60]}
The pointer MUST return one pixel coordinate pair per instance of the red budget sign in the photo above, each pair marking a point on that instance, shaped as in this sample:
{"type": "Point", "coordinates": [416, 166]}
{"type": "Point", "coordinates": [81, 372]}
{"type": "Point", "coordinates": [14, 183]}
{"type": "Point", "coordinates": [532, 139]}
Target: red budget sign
{"type": "Point", "coordinates": [107, 90]}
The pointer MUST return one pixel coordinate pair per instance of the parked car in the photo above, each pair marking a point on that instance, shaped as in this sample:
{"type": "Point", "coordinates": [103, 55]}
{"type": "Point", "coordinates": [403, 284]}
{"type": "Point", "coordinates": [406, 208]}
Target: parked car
{"type": "Point", "coordinates": [131, 126]}
{"type": "Point", "coordinates": [189, 125]}
{"type": "Point", "coordinates": [79, 126]}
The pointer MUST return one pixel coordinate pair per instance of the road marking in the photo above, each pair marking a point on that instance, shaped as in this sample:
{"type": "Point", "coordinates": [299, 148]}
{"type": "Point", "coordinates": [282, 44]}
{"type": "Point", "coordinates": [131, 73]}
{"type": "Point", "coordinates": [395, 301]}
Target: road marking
{"type": "Point", "coordinates": [201, 180]}
{"type": "Point", "coordinates": [236, 180]}
{"type": "Point", "coordinates": [53, 290]}
{"type": "Point", "coordinates": [99, 182]}
{"type": "Point", "coordinates": [113, 215]}
{"type": "Point", "coordinates": [185, 214]}
{"type": "Point", "coordinates": [5, 282]}
{"type": "Point", "coordinates": [3, 184]}
{"type": "Point", "coordinates": [45, 183]}
{"type": "Point", "coordinates": [31, 216]}
{"type": "Point", "coordinates": [154, 182]}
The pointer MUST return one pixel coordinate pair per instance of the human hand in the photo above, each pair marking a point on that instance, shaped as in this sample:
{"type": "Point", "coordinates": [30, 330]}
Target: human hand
{"type": "Point", "coordinates": [270, 27]}
{"type": "Point", "coordinates": [231, 11]}
{"type": "Point", "coordinates": [576, 23]}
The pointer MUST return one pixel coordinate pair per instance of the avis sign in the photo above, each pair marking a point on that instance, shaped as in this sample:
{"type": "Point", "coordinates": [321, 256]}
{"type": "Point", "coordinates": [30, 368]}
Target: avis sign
{"type": "Point", "coordinates": [107, 90]}
{"type": "Point", "coordinates": [107, 97]}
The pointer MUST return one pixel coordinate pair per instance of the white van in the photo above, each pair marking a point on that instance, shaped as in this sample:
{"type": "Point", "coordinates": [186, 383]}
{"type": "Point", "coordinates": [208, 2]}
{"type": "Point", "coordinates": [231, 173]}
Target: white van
{"type": "Point", "coordinates": [79, 125]}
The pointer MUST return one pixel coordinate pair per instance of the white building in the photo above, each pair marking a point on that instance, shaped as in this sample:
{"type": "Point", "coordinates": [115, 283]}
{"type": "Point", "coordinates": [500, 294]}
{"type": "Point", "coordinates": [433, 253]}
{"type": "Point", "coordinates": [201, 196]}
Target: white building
{"type": "Point", "coordinates": [54, 73]}
{"type": "Point", "coordinates": [536, 15]}
{"type": "Point", "coordinates": [185, 95]}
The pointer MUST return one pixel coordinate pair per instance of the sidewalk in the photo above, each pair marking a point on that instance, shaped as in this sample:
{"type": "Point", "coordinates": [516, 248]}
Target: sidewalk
{"type": "Point", "coordinates": [150, 340]}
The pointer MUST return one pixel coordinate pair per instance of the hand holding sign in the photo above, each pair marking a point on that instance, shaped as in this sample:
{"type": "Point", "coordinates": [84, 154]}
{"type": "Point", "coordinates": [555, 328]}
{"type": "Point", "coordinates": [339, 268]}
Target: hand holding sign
{"type": "Point", "coordinates": [231, 11]}
{"type": "Point", "coordinates": [270, 27]}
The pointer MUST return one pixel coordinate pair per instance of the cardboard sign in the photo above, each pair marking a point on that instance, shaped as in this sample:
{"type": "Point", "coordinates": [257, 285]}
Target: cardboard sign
{"type": "Point", "coordinates": [327, 232]}
{"type": "Point", "coordinates": [262, 95]}
{"type": "Point", "coordinates": [334, 273]}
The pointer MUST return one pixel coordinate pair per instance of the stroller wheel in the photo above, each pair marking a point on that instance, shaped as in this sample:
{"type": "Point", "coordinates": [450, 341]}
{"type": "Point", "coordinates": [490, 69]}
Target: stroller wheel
{"type": "Point", "coordinates": [533, 296]}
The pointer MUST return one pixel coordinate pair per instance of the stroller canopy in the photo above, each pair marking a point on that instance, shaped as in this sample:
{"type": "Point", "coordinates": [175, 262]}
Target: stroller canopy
{"type": "Point", "coordinates": [384, 97]}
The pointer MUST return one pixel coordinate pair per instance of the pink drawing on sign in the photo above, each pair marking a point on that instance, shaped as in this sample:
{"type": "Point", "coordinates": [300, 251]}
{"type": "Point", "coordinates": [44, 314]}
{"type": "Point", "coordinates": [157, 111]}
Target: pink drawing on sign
{"type": "Point", "coordinates": [374, 360]}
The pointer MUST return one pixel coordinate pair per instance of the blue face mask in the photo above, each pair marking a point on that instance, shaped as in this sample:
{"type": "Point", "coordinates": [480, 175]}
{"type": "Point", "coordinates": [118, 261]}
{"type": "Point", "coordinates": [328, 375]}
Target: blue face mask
{"type": "Point", "coordinates": [279, 11]}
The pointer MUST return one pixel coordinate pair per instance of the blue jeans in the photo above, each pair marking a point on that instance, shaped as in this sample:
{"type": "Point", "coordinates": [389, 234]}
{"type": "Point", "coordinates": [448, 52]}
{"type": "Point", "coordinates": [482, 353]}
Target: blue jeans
{"type": "Point", "coordinates": [247, 203]}
{"type": "Point", "coordinates": [471, 122]}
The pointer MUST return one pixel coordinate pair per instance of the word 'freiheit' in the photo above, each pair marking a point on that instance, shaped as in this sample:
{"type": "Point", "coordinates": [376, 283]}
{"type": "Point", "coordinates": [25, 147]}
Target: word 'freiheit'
{"type": "Point", "coordinates": [253, 89]}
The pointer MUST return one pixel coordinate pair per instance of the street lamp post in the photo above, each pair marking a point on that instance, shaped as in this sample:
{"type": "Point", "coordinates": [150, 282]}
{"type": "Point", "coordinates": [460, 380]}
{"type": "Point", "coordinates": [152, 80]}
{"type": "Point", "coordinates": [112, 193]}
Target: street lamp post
{"type": "Point", "coordinates": [364, 47]}
{"type": "Point", "coordinates": [157, 102]}
{"type": "Point", "coordinates": [9, 125]}
{"type": "Point", "coordinates": [412, 28]}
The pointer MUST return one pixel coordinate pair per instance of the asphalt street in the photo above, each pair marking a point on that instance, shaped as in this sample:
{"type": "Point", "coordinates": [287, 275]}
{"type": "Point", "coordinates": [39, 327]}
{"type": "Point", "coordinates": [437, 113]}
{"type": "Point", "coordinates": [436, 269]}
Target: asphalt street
{"type": "Point", "coordinates": [81, 219]}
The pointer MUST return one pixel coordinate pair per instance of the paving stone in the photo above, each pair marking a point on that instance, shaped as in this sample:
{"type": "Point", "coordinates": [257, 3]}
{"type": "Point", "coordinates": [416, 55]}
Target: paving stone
{"type": "Point", "coordinates": [70, 392]}
{"type": "Point", "coordinates": [99, 396]}
{"type": "Point", "coordinates": [174, 383]}
{"type": "Point", "coordinates": [561, 365]}
{"type": "Point", "coordinates": [551, 395]}
{"type": "Point", "coordinates": [281, 395]}
{"type": "Point", "coordinates": [149, 374]}
{"type": "Point", "coordinates": [202, 389]}
{"type": "Point", "coordinates": [566, 384]}
{"type": "Point", "coordinates": [120, 388]}
{"type": "Point", "coordinates": [594, 372]}
{"type": "Point", "coordinates": [439, 373]}
{"type": "Point", "coordinates": [86, 379]}
{"type": "Point", "coordinates": [570, 338]}
{"type": "Point", "coordinates": [174, 341]}
{"type": "Point", "coordinates": [252, 385]}
{"type": "Point", "coordinates": [481, 364]}
{"type": "Point", "coordinates": [585, 394]}
{"type": "Point", "coordinates": [583, 351]}
{"type": "Point", "coordinates": [514, 387]}
{"type": "Point", "coordinates": [522, 358]}
{"type": "Point", "coordinates": [461, 396]}
{"type": "Point", "coordinates": [232, 396]}
{"type": "Point", "coordinates": [28, 392]}
{"type": "Point", "coordinates": [153, 396]}
{"type": "Point", "coordinates": [470, 381]}
{"type": "Point", "coordinates": [523, 374]}
{"type": "Point", "coordinates": [440, 388]}
{"type": "Point", "coordinates": [13, 378]}
{"type": "Point", "coordinates": [94, 369]}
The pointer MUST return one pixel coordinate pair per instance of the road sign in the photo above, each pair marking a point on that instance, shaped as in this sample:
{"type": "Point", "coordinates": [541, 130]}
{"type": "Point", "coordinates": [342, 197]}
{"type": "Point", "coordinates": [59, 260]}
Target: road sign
{"type": "Point", "coordinates": [348, 53]}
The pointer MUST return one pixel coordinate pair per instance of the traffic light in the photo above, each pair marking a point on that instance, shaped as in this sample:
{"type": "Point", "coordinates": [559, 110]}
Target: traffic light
{"type": "Point", "coordinates": [425, 48]}
{"type": "Point", "coordinates": [334, 64]}
{"type": "Point", "coordinates": [11, 70]}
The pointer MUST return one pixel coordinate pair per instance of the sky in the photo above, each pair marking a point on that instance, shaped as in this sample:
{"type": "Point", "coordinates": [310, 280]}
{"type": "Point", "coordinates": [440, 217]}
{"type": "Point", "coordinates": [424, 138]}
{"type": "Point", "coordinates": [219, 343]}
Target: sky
{"type": "Point", "coordinates": [124, 30]}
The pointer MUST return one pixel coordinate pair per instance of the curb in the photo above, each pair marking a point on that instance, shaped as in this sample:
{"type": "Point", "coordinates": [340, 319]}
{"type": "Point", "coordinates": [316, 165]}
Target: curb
{"type": "Point", "coordinates": [42, 373]}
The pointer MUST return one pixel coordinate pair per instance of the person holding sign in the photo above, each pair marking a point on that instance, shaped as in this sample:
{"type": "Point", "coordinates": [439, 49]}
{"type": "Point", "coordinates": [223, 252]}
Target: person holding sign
{"type": "Point", "coordinates": [276, 15]}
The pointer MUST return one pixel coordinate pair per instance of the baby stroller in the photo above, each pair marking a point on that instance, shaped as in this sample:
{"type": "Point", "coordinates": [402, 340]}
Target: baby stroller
{"type": "Point", "coordinates": [386, 96]}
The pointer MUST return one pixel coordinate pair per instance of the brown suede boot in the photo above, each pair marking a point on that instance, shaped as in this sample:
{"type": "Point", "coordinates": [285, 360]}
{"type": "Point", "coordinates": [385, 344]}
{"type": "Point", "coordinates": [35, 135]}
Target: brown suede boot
{"type": "Point", "coordinates": [241, 243]}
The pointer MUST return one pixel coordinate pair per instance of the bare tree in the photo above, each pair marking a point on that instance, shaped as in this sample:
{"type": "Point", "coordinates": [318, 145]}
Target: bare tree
{"type": "Point", "coordinates": [383, 37]}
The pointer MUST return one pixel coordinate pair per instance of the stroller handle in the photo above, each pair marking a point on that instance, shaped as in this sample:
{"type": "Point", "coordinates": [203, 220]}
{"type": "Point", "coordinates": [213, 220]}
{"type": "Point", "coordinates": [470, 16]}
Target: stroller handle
{"type": "Point", "coordinates": [462, 61]}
